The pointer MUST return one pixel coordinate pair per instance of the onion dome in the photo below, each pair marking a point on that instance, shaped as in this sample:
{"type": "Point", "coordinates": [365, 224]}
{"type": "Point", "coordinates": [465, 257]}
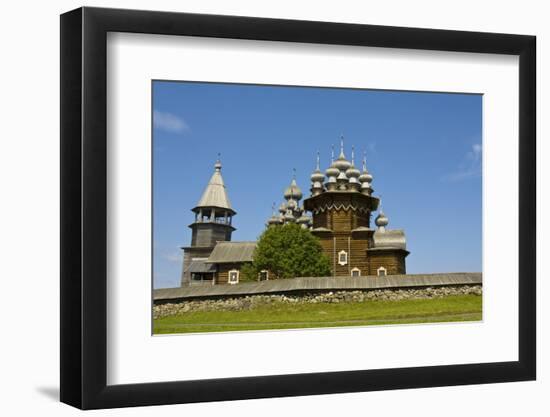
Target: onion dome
{"type": "Point", "coordinates": [293, 191]}
{"type": "Point", "coordinates": [341, 162]}
{"type": "Point", "coordinates": [353, 173]}
{"type": "Point", "coordinates": [381, 221]}
{"type": "Point", "coordinates": [365, 175]}
{"type": "Point", "coordinates": [317, 175]}
{"type": "Point", "coordinates": [317, 179]}
{"type": "Point", "coordinates": [332, 171]}
{"type": "Point", "coordinates": [282, 208]}
{"type": "Point", "coordinates": [365, 178]}
{"type": "Point", "coordinates": [274, 219]}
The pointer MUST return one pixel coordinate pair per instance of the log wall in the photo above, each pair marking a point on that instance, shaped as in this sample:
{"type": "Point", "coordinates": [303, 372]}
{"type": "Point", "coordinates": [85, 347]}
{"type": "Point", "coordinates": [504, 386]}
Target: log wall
{"type": "Point", "coordinates": [392, 260]}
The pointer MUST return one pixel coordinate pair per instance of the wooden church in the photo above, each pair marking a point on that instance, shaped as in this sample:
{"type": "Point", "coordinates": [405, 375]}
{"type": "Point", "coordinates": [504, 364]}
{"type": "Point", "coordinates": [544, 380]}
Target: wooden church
{"type": "Point", "coordinates": [341, 205]}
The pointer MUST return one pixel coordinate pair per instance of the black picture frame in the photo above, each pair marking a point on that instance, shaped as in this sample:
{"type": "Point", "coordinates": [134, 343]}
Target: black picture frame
{"type": "Point", "coordinates": [84, 207]}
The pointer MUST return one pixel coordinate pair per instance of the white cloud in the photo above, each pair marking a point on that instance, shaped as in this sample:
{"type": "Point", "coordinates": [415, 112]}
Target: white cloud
{"type": "Point", "coordinates": [169, 122]}
{"type": "Point", "coordinates": [470, 166]}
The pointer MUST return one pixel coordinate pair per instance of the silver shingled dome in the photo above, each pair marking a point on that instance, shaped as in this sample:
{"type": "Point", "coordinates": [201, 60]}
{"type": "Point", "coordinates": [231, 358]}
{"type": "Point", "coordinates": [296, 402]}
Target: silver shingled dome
{"type": "Point", "coordinates": [381, 220]}
{"type": "Point", "coordinates": [317, 175]}
{"type": "Point", "coordinates": [274, 220]}
{"type": "Point", "coordinates": [353, 172]}
{"type": "Point", "coordinates": [332, 171]}
{"type": "Point", "coordinates": [365, 175]}
{"type": "Point", "coordinates": [293, 191]}
{"type": "Point", "coordinates": [341, 162]}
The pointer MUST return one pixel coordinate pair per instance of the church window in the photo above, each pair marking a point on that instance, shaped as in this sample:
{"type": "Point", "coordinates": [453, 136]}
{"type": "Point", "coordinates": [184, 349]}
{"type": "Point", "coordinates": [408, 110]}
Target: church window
{"type": "Point", "coordinates": [382, 272]}
{"type": "Point", "coordinates": [355, 272]}
{"type": "Point", "coordinates": [233, 276]}
{"type": "Point", "coordinates": [343, 257]}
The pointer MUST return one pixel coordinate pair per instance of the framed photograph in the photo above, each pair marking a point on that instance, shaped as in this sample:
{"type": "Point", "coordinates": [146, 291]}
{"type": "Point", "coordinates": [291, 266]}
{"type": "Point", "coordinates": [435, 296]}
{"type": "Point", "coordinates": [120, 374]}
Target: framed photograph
{"type": "Point", "coordinates": [257, 208]}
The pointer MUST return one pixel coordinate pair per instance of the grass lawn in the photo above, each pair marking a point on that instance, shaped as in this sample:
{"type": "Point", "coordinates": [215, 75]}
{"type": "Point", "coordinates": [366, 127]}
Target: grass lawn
{"type": "Point", "coordinates": [280, 315]}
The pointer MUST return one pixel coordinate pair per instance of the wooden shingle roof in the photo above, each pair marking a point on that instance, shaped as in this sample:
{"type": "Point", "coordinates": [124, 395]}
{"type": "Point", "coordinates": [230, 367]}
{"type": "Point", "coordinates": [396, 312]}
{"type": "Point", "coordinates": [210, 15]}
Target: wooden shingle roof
{"type": "Point", "coordinates": [232, 252]}
{"type": "Point", "coordinates": [200, 266]}
{"type": "Point", "coordinates": [215, 193]}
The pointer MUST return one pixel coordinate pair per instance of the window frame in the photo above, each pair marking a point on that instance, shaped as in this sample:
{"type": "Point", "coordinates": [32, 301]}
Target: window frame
{"type": "Point", "coordinates": [340, 262]}
{"type": "Point", "coordinates": [233, 271]}
{"type": "Point", "coordinates": [266, 275]}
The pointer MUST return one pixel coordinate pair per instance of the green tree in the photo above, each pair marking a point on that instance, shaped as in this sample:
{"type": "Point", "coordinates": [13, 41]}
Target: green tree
{"type": "Point", "coordinates": [289, 251]}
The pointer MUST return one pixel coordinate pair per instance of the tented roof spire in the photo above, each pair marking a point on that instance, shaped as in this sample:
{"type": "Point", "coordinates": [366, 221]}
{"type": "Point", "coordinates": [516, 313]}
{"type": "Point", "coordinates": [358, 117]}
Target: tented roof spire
{"type": "Point", "coordinates": [215, 193]}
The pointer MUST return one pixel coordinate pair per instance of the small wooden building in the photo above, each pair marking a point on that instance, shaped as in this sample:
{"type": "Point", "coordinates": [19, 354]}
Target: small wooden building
{"type": "Point", "coordinates": [228, 258]}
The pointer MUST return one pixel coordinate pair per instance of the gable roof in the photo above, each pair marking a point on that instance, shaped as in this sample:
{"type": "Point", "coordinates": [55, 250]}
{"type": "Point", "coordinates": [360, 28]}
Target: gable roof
{"type": "Point", "coordinates": [232, 252]}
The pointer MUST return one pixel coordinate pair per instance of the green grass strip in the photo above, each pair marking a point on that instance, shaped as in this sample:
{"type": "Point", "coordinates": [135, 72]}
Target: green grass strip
{"type": "Point", "coordinates": [280, 315]}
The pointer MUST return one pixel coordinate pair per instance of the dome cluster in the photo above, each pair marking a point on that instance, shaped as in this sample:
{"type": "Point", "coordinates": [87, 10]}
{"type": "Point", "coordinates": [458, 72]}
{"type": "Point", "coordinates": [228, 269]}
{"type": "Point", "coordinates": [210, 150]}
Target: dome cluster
{"type": "Point", "coordinates": [341, 175]}
{"type": "Point", "coordinates": [291, 210]}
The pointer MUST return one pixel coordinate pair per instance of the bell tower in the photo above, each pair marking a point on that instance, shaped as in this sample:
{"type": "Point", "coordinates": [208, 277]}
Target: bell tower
{"type": "Point", "coordinates": [212, 224]}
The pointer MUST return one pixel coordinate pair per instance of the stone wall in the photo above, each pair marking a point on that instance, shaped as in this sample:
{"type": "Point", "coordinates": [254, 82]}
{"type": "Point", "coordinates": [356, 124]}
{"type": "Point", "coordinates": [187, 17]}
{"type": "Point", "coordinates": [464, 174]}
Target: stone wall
{"type": "Point", "coordinates": [250, 302]}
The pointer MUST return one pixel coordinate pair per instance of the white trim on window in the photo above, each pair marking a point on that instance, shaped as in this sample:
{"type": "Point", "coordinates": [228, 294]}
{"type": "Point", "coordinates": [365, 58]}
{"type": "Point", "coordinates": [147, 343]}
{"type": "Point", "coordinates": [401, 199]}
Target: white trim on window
{"type": "Point", "coordinates": [263, 271]}
{"type": "Point", "coordinates": [233, 276]}
{"type": "Point", "coordinates": [343, 257]}
{"type": "Point", "coordinates": [382, 272]}
{"type": "Point", "coordinates": [355, 272]}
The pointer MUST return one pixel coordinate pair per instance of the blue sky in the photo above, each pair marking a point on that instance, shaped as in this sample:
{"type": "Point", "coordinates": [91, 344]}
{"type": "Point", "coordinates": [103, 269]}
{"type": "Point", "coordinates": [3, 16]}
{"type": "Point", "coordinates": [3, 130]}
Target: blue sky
{"type": "Point", "coordinates": [423, 149]}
